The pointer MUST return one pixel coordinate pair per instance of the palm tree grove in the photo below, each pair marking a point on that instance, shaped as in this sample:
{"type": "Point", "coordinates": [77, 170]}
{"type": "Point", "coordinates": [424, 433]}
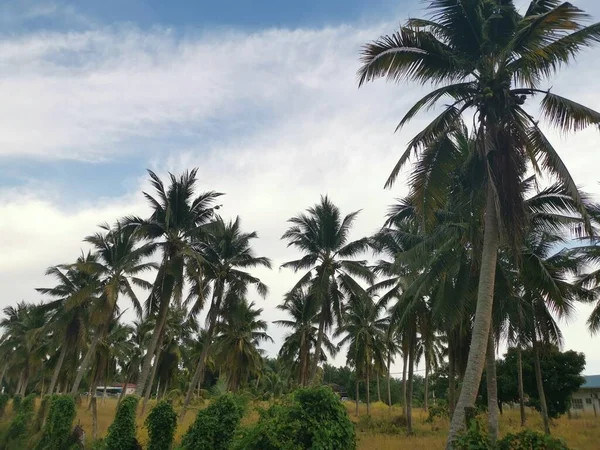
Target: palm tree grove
{"type": "Point", "coordinates": [443, 327]}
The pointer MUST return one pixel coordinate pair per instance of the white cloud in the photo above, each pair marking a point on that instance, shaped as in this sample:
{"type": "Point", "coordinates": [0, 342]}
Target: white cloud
{"type": "Point", "coordinates": [275, 118]}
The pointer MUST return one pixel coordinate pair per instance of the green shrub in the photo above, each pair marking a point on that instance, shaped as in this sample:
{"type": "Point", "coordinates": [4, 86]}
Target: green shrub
{"type": "Point", "coordinates": [3, 402]}
{"type": "Point", "coordinates": [57, 430]}
{"type": "Point", "coordinates": [473, 439]}
{"type": "Point", "coordinates": [530, 440]}
{"type": "Point", "coordinates": [161, 424]}
{"type": "Point", "coordinates": [215, 426]}
{"type": "Point", "coordinates": [16, 403]}
{"type": "Point", "coordinates": [22, 419]}
{"type": "Point", "coordinates": [314, 418]}
{"type": "Point", "coordinates": [121, 433]}
{"type": "Point", "coordinates": [437, 411]}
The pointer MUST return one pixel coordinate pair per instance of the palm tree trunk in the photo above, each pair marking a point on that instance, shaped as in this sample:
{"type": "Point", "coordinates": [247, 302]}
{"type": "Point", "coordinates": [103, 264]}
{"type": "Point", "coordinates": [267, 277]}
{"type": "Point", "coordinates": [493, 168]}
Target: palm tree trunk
{"type": "Point", "coordinates": [404, 397]}
{"type": "Point", "coordinates": [317, 357]}
{"type": "Point", "coordinates": [59, 363]}
{"type": "Point", "coordinates": [199, 374]}
{"type": "Point", "coordinates": [127, 381]}
{"type": "Point", "coordinates": [4, 369]}
{"type": "Point", "coordinates": [451, 378]}
{"type": "Point", "coordinates": [521, 393]}
{"type": "Point", "coordinates": [161, 319]}
{"type": "Point", "coordinates": [151, 380]}
{"type": "Point", "coordinates": [426, 403]}
{"type": "Point", "coordinates": [483, 318]}
{"type": "Point", "coordinates": [357, 393]}
{"type": "Point", "coordinates": [368, 386]}
{"type": "Point", "coordinates": [389, 386]}
{"type": "Point", "coordinates": [85, 363]}
{"type": "Point", "coordinates": [492, 390]}
{"type": "Point", "coordinates": [20, 382]}
{"type": "Point", "coordinates": [540, 385]}
{"type": "Point", "coordinates": [24, 386]}
{"type": "Point", "coordinates": [378, 389]}
{"type": "Point", "coordinates": [164, 390]}
{"type": "Point", "coordinates": [411, 364]}
{"type": "Point", "coordinates": [94, 408]}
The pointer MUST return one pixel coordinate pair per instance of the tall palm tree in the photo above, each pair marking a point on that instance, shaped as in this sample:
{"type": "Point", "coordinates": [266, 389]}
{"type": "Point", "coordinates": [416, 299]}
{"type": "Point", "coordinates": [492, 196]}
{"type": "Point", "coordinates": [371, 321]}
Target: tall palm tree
{"type": "Point", "coordinates": [363, 329]}
{"type": "Point", "coordinates": [75, 292]}
{"type": "Point", "coordinates": [236, 343]}
{"type": "Point", "coordinates": [430, 349]}
{"type": "Point", "coordinates": [488, 59]}
{"type": "Point", "coordinates": [139, 338]}
{"type": "Point", "coordinates": [119, 263]}
{"type": "Point", "coordinates": [178, 219]}
{"type": "Point", "coordinates": [322, 235]}
{"type": "Point", "coordinates": [226, 254]}
{"type": "Point", "coordinates": [25, 332]}
{"type": "Point", "coordinates": [299, 344]}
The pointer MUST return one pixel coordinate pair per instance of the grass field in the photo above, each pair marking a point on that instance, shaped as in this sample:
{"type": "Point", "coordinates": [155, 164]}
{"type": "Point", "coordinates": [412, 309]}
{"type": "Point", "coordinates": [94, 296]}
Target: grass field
{"type": "Point", "coordinates": [580, 433]}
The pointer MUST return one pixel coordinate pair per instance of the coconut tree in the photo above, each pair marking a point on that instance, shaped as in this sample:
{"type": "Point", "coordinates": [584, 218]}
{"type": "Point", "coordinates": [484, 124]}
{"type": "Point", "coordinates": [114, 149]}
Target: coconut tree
{"type": "Point", "coordinates": [75, 291]}
{"type": "Point", "coordinates": [236, 344]}
{"type": "Point", "coordinates": [226, 253]}
{"type": "Point", "coordinates": [488, 60]}
{"type": "Point", "coordinates": [363, 329]}
{"type": "Point", "coordinates": [430, 349]}
{"type": "Point", "coordinates": [25, 334]}
{"type": "Point", "coordinates": [322, 235]}
{"type": "Point", "coordinates": [141, 331]}
{"type": "Point", "coordinates": [178, 219]}
{"type": "Point", "coordinates": [298, 345]}
{"type": "Point", "coordinates": [120, 262]}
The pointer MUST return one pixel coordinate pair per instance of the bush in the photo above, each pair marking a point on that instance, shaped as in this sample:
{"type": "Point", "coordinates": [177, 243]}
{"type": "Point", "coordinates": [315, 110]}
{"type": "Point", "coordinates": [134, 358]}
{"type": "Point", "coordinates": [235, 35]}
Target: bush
{"type": "Point", "coordinates": [530, 440]}
{"type": "Point", "coordinates": [215, 426]}
{"type": "Point", "coordinates": [16, 403]}
{"type": "Point", "coordinates": [121, 433]}
{"type": "Point", "coordinates": [314, 418]}
{"type": "Point", "coordinates": [22, 419]}
{"type": "Point", "coordinates": [3, 402]}
{"type": "Point", "coordinates": [473, 439]}
{"type": "Point", "coordinates": [437, 411]}
{"type": "Point", "coordinates": [161, 424]}
{"type": "Point", "coordinates": [476, 439]}
{"type": "Point", "coordinates": [57, 430]}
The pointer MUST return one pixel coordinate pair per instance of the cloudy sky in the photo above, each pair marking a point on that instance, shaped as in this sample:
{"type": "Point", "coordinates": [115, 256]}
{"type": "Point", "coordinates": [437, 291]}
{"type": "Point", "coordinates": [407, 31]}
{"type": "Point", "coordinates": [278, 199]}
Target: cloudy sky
{"type": "Point", "coordinates": [261, 96]}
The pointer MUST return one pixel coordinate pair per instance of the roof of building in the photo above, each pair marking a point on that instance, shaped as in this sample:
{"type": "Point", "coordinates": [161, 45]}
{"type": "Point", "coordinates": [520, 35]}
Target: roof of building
{"type": "Point", "coordinates": [591, 382]}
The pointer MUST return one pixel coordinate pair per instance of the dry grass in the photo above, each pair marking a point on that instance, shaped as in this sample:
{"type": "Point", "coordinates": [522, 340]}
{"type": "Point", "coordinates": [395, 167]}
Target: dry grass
{"type": "Point", "coordinates": [580, 433]}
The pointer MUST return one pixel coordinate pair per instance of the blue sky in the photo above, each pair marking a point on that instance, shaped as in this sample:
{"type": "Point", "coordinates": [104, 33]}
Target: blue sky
{"type": "Point", "coordinates": [261, 96]}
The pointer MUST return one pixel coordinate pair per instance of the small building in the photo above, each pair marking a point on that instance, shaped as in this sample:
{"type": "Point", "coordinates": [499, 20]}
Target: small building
{"type": "Point", "coordinates": [115, 390]}
{"type": "Point", "coordinates": [587, 398]}
{"type": "Point", "coordinates": [339, 390]}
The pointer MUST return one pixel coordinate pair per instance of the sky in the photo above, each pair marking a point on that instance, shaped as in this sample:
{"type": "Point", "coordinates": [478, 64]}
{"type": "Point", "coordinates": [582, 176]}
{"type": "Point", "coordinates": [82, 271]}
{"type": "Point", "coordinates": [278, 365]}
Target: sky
{"type": "Point", "coordinates": [260, 95]}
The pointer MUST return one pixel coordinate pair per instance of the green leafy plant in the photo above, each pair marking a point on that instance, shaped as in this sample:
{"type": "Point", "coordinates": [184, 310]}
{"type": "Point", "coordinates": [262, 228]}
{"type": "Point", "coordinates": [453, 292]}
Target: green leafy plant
{"type": "Point", "coordinates": [313, 418]}
{"type": "Point", "coordinates": [215, 426]}
{"type": "Point", "coordinates": [439, 411]}
{"type": "Point", "coordinates": [16, 403]}
{"type": "Point", "coordinates": [161, 424]}
{"type": "Point", "coordinates": [57, 430]}
{"type": "Point", "coordinates": [530, 440]}
{"type": "Point", "coordinates": [473, 439]}
{"type": "Point", "coordinates": [121, 433]}
{"type": "Point", "coordinates": [23, 418]}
